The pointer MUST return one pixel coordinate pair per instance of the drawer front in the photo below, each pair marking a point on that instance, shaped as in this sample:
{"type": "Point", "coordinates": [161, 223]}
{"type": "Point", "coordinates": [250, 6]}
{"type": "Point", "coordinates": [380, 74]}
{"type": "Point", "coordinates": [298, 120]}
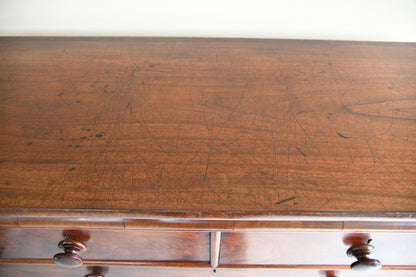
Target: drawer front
{"type": "Point", "coordinates": [50, 270]}
{"type": "Point", "coordinates": [107, 244]}
{"type": "Point", "coordinates": [312, 248]}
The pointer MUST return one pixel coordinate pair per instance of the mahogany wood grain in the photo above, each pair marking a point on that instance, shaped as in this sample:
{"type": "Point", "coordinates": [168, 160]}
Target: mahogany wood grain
{"type": "Point", "coordinates": [41, 270]}
{"type": "Point", "coordinates": [106, 244]}
{"type": "Point", "coordinates": [312, 248]}
{"type": "Point", "coordinates": [279, 127]}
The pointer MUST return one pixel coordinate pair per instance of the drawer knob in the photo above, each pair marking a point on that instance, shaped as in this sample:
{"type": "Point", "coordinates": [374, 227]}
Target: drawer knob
{"type": "Point", "coordinates": [361, 253]}
{"type": "Point", "coordinates": [70, 258]}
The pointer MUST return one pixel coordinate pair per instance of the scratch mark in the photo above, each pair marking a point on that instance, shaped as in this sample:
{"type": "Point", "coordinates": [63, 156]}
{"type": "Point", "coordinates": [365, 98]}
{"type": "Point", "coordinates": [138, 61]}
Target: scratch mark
{"type": "Point", "coordinates": [390, 126]}
{"type": "Point", "coordinates": [398, 165]}
{"type": "Point", "coordinates": [219, 131]}
{"type": "Point", "coordinates": [392, 118]}
{"type": "Point", "coordinates": [296, 120]}
{"type": "Point", "coordinates": [372, 152]}
{"type": "Point", "coordinates": [381, 203]}
{"type": "Point", "coordinates": [208, 161]}
{"type": "Point", "coordinates": [275, 154]}
{"type": "Point", "coordinates": [129, 107]}
{"type": "Point", "coordinates": [105, 89]}
{"type": "Point", "coordinates": [303, 129]}
{"type": "Point", "coordinates": [285, 200]}
{"type": "Point", "coordinates": [324, 204]}
{"type": "Point", "coordinates": [230, 115]}
{"type": "Point", "coordinates": [144, 124]}
{"type": "Point", "coordinates": [303, 154]}
{"type": "Point", "coordinates": [342, 136]}
{"type": "Point", "coordinates": [347, 109]}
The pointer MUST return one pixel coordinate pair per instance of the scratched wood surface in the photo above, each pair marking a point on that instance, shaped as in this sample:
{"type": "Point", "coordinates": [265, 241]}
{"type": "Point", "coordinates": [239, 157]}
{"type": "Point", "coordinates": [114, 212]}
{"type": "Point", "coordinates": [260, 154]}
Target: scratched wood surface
{"type": "Point", "coordinates": [207, 125]}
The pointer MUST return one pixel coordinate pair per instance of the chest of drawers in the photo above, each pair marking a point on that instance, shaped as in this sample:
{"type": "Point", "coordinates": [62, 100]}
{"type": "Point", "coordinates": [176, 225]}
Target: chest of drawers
{"type": "Point", "coordinates": [206, 157]}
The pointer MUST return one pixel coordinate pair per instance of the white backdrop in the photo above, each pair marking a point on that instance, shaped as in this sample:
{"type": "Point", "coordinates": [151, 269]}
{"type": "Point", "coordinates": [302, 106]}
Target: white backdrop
{"type": "Point", "coordinates": [382, 20]}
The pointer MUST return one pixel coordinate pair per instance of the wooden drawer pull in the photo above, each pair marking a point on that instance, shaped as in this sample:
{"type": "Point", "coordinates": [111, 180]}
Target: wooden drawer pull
{"type": "Point", "coordinates": [70, 257]}
{"type": "Point", "coordinates": [361, 253]}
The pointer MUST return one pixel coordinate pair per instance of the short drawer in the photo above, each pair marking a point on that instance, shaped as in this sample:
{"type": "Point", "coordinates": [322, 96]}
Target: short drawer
{"type": "Point", "coordinates": [312, 248]}
{"type": "Point", "coordinates": [107, 244]}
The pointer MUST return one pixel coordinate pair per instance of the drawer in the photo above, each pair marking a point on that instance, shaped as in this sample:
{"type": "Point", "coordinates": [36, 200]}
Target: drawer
{"type": "Point", "coordinates": [312, 248]}
{"type": "Point", "coordinates": [50, 270]}
{"type": "Point", "coordinates": [107, 244]}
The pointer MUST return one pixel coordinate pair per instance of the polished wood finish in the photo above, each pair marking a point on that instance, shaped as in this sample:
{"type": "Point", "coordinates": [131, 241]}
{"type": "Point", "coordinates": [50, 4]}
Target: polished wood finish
{"type": "Point", "coordinates": [145, 149]}
{"type": "Point", "coordinates": [211, 125]}
{"type": "Point", "coordinates": [108, 244]}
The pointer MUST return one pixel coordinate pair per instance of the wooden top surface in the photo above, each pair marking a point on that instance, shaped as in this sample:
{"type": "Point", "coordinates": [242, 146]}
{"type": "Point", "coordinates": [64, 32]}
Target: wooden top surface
{"type": "Point", "coordinates": [208, 125]}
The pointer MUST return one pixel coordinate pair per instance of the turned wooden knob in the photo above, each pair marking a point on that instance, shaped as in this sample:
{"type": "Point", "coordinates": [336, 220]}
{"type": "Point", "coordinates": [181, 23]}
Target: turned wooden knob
{"type": "Point", "coordinates": [70, 257]}
{"type": "Point", "coordinates": [361, 253]}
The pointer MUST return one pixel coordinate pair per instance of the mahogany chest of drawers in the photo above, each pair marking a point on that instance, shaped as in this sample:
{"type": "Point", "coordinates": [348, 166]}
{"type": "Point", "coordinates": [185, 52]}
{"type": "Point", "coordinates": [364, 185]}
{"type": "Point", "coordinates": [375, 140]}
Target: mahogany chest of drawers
{"type": "Point", "coordinates": [207, 157]}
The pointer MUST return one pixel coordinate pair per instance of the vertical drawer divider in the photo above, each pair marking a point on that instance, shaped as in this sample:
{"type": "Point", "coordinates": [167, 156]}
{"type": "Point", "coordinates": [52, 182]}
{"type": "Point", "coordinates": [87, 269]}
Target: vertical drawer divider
{"type": "Point", "coordinates": [215, 249]}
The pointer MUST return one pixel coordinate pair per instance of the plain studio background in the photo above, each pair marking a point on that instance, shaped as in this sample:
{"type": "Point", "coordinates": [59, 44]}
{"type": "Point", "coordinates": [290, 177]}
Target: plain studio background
{"type": "Point", "coordinates": [380, 20]}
